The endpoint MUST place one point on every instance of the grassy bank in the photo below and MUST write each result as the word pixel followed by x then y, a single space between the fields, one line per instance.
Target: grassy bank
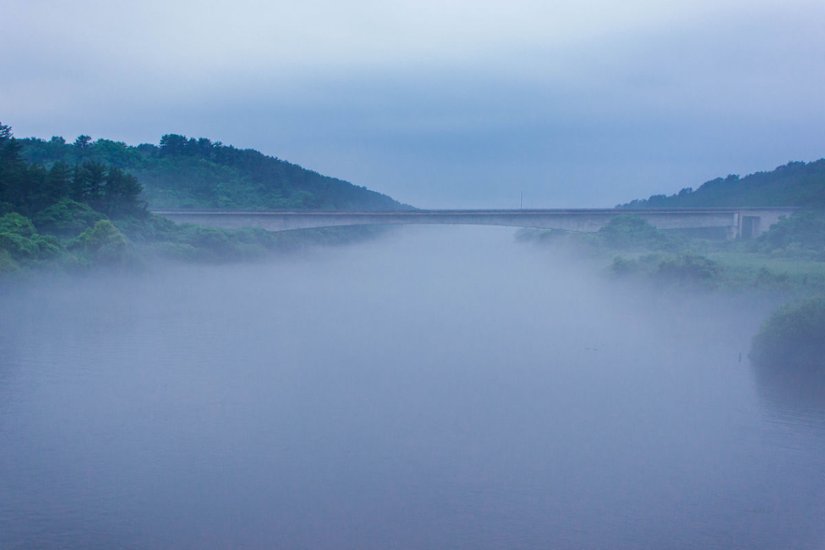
pixel 787 263
pixel 91 240
pixel 788 259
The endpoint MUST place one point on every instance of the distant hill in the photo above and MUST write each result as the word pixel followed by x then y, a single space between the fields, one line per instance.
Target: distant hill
pixel 77 207
pixel 189 173
pixel 794 184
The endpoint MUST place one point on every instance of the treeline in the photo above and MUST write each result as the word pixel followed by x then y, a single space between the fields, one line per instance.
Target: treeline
pixel 67 209
pixel 29 188
pixel 794 184
pixel 61 212
pixel 189 173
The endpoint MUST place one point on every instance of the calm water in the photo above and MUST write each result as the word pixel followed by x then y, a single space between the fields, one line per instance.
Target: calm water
pixel 441 388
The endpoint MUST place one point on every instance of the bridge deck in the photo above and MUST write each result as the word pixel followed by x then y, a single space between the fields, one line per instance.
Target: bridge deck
pixel 753 220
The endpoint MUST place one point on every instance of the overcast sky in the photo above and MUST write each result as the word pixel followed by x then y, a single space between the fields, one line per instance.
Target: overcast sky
pixel 438 103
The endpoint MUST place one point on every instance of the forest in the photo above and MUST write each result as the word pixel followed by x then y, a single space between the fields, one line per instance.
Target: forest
pixel 793 184
pixel 74 206
pixel 190 173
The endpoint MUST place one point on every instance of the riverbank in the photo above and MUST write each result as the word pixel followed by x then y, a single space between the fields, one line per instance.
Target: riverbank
pixel 787 260
pixel 785 267
pixel 79 244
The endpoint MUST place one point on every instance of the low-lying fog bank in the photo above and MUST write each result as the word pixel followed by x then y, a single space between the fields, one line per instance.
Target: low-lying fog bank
pixel 87 242
pixel 439 387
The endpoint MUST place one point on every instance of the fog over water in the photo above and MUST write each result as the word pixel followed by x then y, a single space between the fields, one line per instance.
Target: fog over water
pixel 442 387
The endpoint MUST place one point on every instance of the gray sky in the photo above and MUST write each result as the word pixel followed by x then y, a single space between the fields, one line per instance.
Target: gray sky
pixel 438 103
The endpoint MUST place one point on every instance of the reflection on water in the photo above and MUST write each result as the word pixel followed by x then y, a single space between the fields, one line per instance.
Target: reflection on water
pixel 792 392
pixel 443 388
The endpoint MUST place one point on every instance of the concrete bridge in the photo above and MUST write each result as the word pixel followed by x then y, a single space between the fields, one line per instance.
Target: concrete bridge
pixel 736 222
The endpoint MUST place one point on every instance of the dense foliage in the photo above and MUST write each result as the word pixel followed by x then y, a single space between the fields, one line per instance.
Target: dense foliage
pixel 29 188
pixel 793 337
pixel 794 184
pixel 802 235
pixel 624 232
pixel 47 213
pixel 621 233
pixel 76 210
pixel 682 268
pixel 184 173
pixel 787 259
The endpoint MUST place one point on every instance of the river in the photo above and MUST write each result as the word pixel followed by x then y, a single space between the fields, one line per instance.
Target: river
pixel 441 387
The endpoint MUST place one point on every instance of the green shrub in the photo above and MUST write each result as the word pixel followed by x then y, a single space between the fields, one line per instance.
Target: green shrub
pixel 103 243
pixel 801 234
pixel 212 244
pixel 688 268
pixel 793 337
pixel 18 246
pixel 67 218
pixel 20 241
pixel 209 238
pixel 48 247
pixel 673 268
pixel 633 232
pixel 16 224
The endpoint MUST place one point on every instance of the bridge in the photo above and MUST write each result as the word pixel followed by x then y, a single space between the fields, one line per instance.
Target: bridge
pixel 735 222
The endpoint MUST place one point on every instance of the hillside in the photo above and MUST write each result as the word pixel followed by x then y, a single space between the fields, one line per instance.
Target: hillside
pixel 794 184
pixel 77 207
pixel 188 173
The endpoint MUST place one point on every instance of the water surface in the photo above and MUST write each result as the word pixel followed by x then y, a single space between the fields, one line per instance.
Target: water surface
pixel 440 388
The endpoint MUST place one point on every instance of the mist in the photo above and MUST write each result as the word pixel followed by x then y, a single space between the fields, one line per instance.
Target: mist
pixel 438 387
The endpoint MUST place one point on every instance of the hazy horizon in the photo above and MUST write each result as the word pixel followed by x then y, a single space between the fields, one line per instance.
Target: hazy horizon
pixel 438 104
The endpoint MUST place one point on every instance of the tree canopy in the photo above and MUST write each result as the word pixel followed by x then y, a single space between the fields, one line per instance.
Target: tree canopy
pixel 198 173
pixel 29 188
pixel 793 184
pixel 81 204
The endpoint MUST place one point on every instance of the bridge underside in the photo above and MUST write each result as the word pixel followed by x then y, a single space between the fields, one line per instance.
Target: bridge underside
pixel 735 222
